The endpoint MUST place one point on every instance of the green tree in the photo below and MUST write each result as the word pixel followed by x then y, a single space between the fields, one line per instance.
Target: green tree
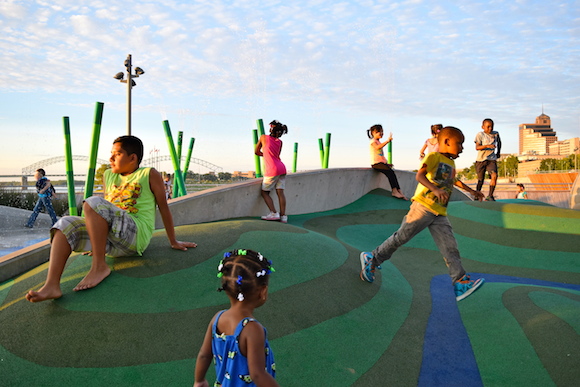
pixel 467 173
pixel 209 177
pixel 508 167
pixel 225 176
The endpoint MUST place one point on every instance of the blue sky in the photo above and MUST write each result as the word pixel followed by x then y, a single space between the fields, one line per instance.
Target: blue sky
pixel 213 67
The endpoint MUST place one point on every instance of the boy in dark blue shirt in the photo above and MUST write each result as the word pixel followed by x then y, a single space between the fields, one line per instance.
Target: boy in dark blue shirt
pixel 45 190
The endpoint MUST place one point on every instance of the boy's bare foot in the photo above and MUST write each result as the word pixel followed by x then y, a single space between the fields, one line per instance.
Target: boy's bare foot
pixel 93 278
pixel 43 294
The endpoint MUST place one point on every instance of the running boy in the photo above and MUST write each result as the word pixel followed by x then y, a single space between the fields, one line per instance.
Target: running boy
pixel 119 225
pixel 429 209
pixel 488 147
pixel 44 189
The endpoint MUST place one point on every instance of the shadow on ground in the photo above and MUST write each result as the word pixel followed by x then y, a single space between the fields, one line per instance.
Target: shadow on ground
pixel 144 324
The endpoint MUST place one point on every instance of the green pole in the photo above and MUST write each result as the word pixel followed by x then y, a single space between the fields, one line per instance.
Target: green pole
pixel 327 150
pixel 261 132
pixel 390 152
pixel 295 157
pixel 178 175
pixel 179 146
pixel 90 183
pixel 256 157
pixel 70 178
pixel 188 159
pixel 260 124
pixel 321 147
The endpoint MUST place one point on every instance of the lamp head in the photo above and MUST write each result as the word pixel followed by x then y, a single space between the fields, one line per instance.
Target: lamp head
pixel 139 71
pixel 118 76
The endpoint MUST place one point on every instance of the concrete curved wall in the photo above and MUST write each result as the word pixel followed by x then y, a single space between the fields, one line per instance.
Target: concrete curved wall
pixel 306 192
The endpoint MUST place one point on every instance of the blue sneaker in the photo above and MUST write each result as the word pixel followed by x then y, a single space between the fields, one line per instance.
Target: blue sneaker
pixel 367 272
pixel 465 286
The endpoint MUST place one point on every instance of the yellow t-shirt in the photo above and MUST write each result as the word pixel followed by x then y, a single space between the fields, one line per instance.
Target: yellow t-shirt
pixel 133 194
pixel 441 172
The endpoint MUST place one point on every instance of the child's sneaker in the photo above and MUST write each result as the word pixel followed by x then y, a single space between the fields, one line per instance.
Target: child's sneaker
pixel 490 199
pixel 284 219
pixel 465 286
pixel 271 216
pixel 367 272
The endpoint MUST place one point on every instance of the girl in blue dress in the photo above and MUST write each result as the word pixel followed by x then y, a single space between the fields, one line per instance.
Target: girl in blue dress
pixel 234 340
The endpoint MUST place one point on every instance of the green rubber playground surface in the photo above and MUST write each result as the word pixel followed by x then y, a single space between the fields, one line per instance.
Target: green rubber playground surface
pixel 145 323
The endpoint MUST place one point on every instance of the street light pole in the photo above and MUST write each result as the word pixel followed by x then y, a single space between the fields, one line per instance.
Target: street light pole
pixel 130 83
pixel 129 87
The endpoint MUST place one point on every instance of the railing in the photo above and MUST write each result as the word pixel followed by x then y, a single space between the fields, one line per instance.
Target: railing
pixel 556 194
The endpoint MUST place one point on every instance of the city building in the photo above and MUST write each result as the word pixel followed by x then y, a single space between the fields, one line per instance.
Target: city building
pixel 535 139
pixel 538 142
pixel 246 175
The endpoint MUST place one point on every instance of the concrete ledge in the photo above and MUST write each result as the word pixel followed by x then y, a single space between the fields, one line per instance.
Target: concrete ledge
pixel 306 192
pixel 20 261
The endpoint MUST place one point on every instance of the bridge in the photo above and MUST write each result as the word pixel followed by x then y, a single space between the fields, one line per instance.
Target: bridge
pixel 30 169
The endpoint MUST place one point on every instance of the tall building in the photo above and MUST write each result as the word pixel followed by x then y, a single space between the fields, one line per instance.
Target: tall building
pixel 535 139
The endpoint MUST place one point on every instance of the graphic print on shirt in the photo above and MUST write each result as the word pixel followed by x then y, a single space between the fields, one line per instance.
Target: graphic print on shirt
pixel 443 179
pixel 125 196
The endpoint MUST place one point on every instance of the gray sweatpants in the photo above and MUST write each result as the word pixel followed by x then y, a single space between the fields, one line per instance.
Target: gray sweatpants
pixel 417 219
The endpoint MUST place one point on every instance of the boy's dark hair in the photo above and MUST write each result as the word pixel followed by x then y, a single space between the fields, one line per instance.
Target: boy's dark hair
pixel 278 128
pixel 242 272
pixel 436 128
pixel 488 120
pixel 520 185
pixel 41 171
pixel 131 145
pixel 374 128
pixel 450 131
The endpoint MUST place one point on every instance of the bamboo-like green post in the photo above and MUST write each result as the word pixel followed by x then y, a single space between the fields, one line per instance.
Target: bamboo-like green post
pixel 70 177
pixel 321 147
pixel 90 183
pixel 295 157
pixel 188 159
pixel 178 175
pixel 327 151
pixel 179 146
pixel 390 152
pixel 260 124
pixel 256 157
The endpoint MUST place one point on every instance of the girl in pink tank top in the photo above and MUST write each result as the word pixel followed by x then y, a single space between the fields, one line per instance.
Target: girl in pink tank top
pixel 270 147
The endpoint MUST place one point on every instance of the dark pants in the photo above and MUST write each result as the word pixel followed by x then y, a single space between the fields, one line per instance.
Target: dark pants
pixel 388 172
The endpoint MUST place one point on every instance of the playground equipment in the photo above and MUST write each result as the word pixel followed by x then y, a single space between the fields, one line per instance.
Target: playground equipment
pixel 295 157
pixel 324 151
pixel 70 179
pixel 90 182
pixel 178 174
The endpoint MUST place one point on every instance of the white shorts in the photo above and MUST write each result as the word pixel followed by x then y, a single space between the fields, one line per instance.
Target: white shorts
pixel 271 182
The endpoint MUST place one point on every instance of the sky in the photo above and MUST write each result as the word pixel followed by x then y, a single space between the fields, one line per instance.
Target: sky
pixel 213 67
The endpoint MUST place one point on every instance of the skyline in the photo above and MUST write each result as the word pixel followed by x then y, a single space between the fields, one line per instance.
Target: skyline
pixel 213 67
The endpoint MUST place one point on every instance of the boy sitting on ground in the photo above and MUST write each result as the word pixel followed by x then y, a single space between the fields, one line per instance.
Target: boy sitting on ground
pixel 119 225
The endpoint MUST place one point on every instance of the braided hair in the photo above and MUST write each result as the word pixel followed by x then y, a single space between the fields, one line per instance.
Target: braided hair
pixel 243 272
